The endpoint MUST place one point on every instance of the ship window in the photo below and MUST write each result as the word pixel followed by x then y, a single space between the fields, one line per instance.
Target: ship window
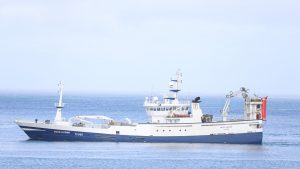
pixel 158 109
pixel 154 109
pixel 117 132
pixel 169 130
pixel 156 130
pixel 167 108
pixel 180 130
pixel 258 106
pixel 184 129
pixel 151 109
pixel 163 130
pixel 163 109
pixel 186 108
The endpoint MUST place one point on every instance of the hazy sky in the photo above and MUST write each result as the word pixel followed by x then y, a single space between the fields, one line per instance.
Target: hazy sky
pixel 136 46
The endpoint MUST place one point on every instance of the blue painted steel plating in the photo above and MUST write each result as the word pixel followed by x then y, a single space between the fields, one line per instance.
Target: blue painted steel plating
pixel 64 135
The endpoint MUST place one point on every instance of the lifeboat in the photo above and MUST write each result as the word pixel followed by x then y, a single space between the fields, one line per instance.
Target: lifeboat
pixel 181 115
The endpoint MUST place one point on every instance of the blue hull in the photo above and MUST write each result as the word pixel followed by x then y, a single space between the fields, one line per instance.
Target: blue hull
pixel 62 135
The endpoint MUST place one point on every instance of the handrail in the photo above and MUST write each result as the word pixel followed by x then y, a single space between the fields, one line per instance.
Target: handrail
pixel 158 103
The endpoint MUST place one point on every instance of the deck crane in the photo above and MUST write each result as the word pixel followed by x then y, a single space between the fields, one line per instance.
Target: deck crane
pixel 243 91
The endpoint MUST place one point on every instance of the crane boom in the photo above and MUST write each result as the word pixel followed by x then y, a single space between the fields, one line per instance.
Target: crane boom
pixel 243 91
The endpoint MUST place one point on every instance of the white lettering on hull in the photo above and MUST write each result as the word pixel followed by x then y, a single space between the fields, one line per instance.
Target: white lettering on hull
pixel 78 134
pixel 61 132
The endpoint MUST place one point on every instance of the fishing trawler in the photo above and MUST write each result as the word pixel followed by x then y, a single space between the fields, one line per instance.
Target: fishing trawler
pixel 170 121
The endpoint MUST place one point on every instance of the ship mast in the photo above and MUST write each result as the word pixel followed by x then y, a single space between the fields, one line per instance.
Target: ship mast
pixel 59 105
pixel 177 82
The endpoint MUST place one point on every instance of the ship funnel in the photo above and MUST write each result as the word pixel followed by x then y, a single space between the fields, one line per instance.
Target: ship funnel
pixel 196 100
pixel 196 110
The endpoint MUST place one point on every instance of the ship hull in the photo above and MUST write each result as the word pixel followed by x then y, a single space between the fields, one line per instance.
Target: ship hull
pixel 48 134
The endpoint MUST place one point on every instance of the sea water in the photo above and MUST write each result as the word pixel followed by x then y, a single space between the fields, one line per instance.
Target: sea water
pixel 280 148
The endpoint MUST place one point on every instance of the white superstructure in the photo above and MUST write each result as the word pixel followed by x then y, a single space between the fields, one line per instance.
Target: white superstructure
pixel 170 109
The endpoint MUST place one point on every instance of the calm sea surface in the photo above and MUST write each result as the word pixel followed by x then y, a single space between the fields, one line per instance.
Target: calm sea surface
pixel 280 148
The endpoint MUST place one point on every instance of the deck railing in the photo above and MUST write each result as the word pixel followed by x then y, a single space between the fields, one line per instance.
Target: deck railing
pixel 157 103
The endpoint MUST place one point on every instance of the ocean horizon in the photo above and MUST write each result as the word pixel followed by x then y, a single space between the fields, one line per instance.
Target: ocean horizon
pixel 280 147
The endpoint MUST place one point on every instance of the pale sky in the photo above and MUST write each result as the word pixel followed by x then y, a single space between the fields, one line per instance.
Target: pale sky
pixel 136 46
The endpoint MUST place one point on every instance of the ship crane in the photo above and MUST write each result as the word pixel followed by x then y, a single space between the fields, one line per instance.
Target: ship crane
pixel 243 91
